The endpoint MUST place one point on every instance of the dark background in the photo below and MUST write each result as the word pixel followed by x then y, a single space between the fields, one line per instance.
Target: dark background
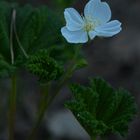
pixel 116 59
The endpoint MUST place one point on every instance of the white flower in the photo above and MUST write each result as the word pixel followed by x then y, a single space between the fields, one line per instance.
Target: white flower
pixel 95 22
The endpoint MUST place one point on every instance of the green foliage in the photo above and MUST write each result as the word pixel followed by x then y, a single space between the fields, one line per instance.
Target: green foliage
pixel 81 63
pixel 37 28
pixel 101 109
pixel 44 66
pixel 4 30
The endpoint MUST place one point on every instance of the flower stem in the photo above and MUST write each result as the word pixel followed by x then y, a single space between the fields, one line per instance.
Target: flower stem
pixel 41 112
pixel 66 76
pixel 12 109
pixel 45 102
pixel 62 82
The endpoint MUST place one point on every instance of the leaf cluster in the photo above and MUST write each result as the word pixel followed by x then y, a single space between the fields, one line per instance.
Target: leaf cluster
pixel 44 67
pixel 37 28
pixel 101 109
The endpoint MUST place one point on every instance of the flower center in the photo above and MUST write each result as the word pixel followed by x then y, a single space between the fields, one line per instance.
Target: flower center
pixel 90 24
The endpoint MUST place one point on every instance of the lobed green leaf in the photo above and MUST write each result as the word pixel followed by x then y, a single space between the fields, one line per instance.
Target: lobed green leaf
pixel 101 109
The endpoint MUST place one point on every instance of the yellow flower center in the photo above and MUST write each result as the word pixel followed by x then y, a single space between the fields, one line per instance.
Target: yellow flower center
pixel 90 24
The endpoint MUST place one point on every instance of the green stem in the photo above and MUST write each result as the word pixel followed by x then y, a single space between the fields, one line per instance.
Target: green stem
pixel 66 76
pixel 46 100
pixel 62 82
pixel 41 112
pixel 12 109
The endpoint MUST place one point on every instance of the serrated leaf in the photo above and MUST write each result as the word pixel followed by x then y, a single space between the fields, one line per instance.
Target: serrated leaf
pixel 33 22
pixel 43 66
pixel 106 97
pixel 121 114
pixel 101 109
pixel 36 28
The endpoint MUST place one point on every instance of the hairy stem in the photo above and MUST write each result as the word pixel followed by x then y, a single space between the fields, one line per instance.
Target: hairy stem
pixel 41 112
pixel 12 109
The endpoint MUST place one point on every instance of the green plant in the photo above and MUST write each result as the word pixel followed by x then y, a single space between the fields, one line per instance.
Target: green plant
pixel 30 38
pixel 101 109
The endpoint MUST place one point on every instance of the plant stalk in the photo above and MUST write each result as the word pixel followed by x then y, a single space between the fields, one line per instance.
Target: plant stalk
pixel 41 112
pixel 12 109
pixel 62 82
pixel 46 101
pixel 66 76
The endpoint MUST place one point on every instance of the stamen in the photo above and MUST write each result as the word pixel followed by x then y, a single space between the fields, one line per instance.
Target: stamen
pixel 90 24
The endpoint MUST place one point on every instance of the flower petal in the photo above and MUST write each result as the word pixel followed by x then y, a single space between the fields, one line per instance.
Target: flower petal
pixel 109 29
pixel 92 34
pixel 98 10
pixel 74 36
pixel 73 19
pixel 111 24
pixel 90 6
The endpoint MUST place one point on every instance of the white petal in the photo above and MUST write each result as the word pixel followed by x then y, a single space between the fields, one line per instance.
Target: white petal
pixel 111 24
pixel 98 10
pixel 92 34
pixel 109 29
pixel 73 19
pixel 74 36
pixel 90 6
